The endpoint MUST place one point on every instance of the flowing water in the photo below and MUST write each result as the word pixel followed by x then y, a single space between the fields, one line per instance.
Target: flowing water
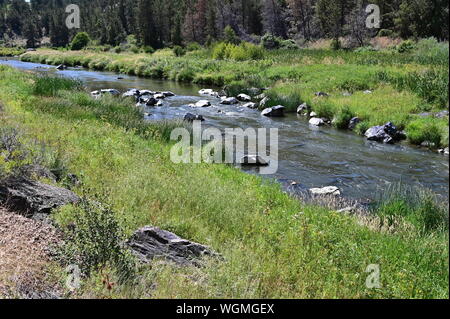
pixel 313 157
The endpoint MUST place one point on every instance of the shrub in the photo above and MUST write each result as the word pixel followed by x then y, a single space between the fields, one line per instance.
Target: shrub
pixel 289 44
pixel 270 42
pixel 80 41
pixel 229 36
pixel 424 130
pixel 148 49
pixel 406 46
pixel 117 49
pixel 242 52
pixel 193 46
pixel 179 51
pixel 342 118
pixel 385 33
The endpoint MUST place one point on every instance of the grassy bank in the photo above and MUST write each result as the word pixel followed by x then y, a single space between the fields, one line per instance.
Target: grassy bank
pixel 403 85
pixel 9 52
pixel 272 245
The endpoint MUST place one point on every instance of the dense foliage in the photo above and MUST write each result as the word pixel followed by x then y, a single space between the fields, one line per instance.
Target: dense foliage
pixel 159 23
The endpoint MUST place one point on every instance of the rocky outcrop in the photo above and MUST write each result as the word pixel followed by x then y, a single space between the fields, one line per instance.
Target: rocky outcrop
pixel 387 134
pixel 31 198
pixel 149 243
pixel 275 111
pixel 253 160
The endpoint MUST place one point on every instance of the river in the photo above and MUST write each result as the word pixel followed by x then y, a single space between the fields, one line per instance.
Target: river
pixel 312 157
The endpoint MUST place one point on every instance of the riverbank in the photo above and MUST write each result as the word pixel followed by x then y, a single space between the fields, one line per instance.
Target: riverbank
pixel 271 245
pixel 376 87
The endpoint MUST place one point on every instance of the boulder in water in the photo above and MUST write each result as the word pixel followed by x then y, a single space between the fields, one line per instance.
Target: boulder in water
pixel 275 111
pixel 253 160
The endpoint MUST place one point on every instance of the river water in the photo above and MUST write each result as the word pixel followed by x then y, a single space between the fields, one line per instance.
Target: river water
pixel 313 157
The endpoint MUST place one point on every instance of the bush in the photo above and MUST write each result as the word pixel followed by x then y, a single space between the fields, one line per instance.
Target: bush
pixel 385 33
pixel 80 41
pixel 229 36
pixel 148 49
pixel 193 46
pixel 342 118
pixel 242 52
pixel 270 42
pixel 406 46
pixel 117 49
pixel 289 44
pixel 179 51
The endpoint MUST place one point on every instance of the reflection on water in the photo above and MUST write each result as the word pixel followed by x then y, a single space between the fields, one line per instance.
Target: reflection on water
pixel 313 157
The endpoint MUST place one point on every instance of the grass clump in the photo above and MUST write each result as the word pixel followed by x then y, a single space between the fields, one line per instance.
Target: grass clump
pixel 242 52
pixel 417 206
pixel 427 130
pixel 46 85
pixel 342 118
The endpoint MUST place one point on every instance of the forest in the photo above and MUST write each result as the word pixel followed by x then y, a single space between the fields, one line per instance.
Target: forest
pixel 162 23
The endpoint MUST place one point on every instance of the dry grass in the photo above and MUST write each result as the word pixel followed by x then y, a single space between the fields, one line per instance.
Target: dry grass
pixel 25 257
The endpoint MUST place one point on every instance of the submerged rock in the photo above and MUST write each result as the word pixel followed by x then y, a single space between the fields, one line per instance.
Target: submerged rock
pixel 148 243
pixel 32 198
pixel 253 160
pixel 189 117
pixel 275 111
pixel 326 191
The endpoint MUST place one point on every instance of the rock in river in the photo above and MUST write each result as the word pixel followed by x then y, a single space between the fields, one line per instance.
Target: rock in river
pixel 189 117
pixel 353 122
pixel 201 103
pixel 148 243
pixel 387 133
pixel 329 190
pixel 251 105
pixel 229 101
pixel 275 111
pixel 317 121
pixel 244 98
pixel 302 109
pixel 253 160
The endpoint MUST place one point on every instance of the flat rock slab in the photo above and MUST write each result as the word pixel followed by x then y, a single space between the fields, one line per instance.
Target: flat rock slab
pixel 31 198
pixel 148 243
pixel 325 191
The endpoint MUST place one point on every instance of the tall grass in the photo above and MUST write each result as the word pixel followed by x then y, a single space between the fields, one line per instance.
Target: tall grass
pixel 50 85
pixel 417 206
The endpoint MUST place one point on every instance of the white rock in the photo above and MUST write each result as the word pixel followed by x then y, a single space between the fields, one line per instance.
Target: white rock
pixel 201 103
pixel 312 114
pixel 316 121
pixel 329 190
pixel 244 98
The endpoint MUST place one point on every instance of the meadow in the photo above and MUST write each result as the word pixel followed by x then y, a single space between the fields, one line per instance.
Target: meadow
pixel 272 245
pixel 403 85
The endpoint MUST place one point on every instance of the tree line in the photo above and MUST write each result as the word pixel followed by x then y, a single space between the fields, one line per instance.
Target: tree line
pixel 159 23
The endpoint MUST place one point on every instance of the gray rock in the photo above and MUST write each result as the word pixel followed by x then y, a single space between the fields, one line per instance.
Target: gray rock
pixel 132 93
pixel 244 98
pixel 229 101
pixel 317 121
pixel 263 103
pixel 206 92
pixel 275 111
pixel 353 122
pixel 159 96
pixel 251 105
pixel 312 114
pixel 367 92
pixel 148 243
pixel 189 117
pixel 325 191
pixel 30 198
pixel 321 94
pixel 387 133
pixel 201 103
pixel 441 114
pixel 253 160
pixel 61 67
pixel 303 108
pixel 168 93
pixel 110 91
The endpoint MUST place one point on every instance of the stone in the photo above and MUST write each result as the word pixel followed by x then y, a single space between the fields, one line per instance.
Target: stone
pixel 189 117
pixel 229 101
pixel 201 103
pixel 206 92
pixel 148 243
pixel 312 114
pixel 317 121
pixel 264 102
pixel 244 98
pixel 159 96
pixel 387 133
pixel 132 93
pixel 321 94
pixel 61 67
pixel 325 191
pixel 250 105
pixel 353 122
pixel 275 111
pixel 367 92
pixel 168 93
pixel 31 198
pixel 303 108
pixel 441 114
pixel 253 160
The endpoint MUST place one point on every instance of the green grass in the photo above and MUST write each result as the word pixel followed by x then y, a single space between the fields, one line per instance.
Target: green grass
pixel 402 84
pixel 9 52
pixel 272 245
